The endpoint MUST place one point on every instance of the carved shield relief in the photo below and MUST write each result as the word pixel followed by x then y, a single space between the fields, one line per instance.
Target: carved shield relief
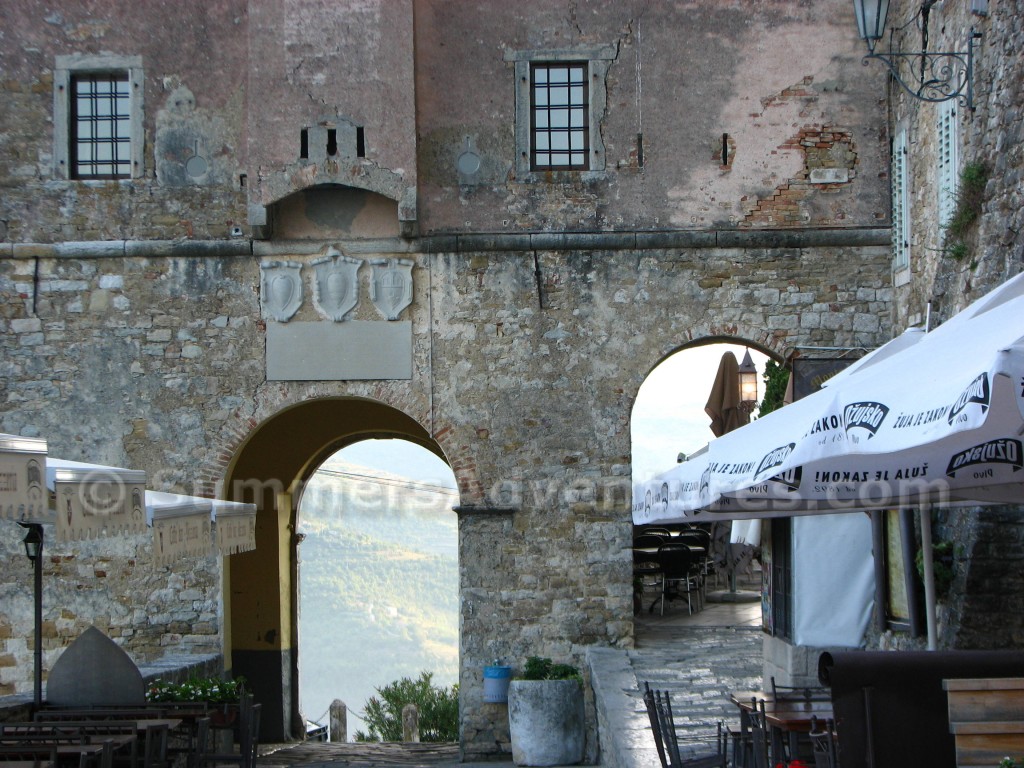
pixel 335 284
pixel 280 289
pixel 391 286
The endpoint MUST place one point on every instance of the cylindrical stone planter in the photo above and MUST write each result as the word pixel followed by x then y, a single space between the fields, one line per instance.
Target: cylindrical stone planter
pixel 545 720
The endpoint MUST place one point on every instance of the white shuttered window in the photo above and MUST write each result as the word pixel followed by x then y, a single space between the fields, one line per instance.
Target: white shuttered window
pixel 900 204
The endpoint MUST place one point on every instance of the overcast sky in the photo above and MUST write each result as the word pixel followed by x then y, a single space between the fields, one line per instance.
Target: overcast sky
pixel 668 418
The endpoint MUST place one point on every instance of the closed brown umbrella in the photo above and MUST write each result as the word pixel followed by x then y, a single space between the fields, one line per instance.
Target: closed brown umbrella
pixel 723 404
pixel 724 408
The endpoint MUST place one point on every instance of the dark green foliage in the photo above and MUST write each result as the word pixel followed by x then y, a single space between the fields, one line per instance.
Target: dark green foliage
pixel 537 668
pixel 776 377
pixel 942 566
pixel 969 199
pixel 438 708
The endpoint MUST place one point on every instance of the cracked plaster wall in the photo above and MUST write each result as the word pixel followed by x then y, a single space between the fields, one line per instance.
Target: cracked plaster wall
pixel 684 75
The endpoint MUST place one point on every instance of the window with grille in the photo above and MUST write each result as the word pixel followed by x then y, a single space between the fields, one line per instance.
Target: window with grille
pixel 948 157
pixel 900 204
pixel 559 116
pixel 98 116
pixel 100 129
pixel 561 96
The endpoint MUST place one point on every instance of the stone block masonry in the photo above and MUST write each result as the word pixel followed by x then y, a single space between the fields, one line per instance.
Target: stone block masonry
pixel 526 381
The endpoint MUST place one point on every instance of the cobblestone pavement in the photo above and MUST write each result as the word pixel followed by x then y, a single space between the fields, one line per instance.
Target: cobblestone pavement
pixel 320 755
pixel 698 659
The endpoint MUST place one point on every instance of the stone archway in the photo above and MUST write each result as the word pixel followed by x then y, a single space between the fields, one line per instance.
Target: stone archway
pixel 268 469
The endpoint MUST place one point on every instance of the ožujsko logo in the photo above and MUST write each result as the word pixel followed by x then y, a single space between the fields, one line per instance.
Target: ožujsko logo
pixel 705 483
pixel 866 415
pixel 774 458
pixel 1002 451
pixel 977 392
pixel 790 478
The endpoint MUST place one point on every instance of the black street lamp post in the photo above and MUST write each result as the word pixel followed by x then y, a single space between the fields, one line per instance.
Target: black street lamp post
pixel 926 75
pixel 34 551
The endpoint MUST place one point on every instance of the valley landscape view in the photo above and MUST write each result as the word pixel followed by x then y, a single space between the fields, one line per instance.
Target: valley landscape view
pixel 378 586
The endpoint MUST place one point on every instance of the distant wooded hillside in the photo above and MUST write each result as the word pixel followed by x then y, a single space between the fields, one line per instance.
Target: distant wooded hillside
pixel 378 586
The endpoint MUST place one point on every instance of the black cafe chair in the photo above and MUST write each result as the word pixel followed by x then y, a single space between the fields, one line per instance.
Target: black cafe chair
pixel 667 741
pixel 680 574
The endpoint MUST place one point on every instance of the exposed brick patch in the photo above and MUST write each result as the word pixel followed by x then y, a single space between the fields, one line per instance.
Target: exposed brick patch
pixel 826 149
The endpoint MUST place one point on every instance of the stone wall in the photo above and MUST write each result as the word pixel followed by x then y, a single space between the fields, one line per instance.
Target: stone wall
pixel 158 364
pixel 132 317
pixel 982 608
pixel 990 135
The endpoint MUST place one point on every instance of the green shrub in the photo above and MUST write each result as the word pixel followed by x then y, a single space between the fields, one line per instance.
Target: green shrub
pixel 438 709
pixel 969 199
pixel 537 668
pixel 776 377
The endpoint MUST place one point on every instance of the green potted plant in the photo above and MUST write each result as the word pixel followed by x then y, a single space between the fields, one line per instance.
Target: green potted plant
pixel 545 713
pixel 221 695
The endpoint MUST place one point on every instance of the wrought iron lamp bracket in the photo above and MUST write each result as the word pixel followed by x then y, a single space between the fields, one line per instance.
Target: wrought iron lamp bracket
pixel 933 76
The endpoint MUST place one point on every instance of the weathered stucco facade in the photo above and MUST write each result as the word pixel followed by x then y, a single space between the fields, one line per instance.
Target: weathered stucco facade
pixel 738 188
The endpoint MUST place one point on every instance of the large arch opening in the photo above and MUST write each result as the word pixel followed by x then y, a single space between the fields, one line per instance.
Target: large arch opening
pixel 378 581
pixel 671 420
pixel 269 470
pixel 668 416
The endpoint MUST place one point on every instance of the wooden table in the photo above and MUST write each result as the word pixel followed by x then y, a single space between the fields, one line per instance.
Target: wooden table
pixel 785 718
pixel 125 733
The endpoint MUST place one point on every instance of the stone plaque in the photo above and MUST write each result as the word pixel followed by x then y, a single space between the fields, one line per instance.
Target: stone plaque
pixel 352 351
pixel 829 175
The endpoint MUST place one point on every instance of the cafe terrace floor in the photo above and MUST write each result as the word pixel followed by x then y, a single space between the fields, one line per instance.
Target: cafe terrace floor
pixel 698 658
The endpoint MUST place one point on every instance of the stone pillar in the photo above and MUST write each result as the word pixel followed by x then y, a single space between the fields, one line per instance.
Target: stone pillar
pixel 339 720
pixel 410 723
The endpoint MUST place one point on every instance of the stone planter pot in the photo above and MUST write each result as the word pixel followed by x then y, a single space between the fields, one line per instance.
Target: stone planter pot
pixel 545 720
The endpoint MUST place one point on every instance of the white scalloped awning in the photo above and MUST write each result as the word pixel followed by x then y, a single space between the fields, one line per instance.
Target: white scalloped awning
pixel 94 500
pixel 236 526
pixel 22 475
pixel 181 526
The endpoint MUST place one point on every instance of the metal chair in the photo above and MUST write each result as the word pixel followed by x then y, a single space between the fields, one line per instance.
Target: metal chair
pixel 681 569
pixel 799 692
pixel 823 743
pixel 248 739
pixel 760 738
pixel 659 711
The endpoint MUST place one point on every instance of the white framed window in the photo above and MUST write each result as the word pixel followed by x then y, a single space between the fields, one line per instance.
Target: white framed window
pixel 948 159
pixel 97 117
pixel 900 204
pixel 560 99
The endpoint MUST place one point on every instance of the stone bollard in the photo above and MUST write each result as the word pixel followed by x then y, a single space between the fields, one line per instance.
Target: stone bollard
pixel 339 720
pixel 410 723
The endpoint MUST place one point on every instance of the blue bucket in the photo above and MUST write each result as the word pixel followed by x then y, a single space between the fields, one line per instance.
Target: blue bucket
pixel 496 680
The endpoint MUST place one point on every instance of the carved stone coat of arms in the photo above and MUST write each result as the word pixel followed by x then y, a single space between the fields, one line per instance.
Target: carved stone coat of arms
pixel 391 286
pixel 280 289
pixel 335 284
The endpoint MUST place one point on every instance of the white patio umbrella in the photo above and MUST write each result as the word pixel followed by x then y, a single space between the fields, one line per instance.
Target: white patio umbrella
pixel 938 422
